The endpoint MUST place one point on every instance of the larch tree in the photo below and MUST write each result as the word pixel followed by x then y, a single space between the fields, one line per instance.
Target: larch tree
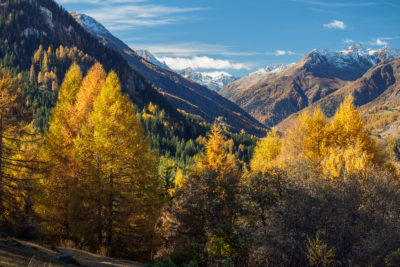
pixel 216 157
pixel 15 160
pixel 85 96
pixel 90 220
pixel 113 146
pixel 206 204
pixel 308 139
pixel 266 152
pixel 351 147
pixel 59 203
pixel 334 147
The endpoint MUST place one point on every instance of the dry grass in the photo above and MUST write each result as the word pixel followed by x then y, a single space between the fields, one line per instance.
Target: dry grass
pixel 16 253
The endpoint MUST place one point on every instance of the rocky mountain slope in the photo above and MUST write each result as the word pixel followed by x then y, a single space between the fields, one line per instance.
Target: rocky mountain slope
pixel 183 93
pixel 271 96
pixel 151 58
pixel 377 89
pixel 43 23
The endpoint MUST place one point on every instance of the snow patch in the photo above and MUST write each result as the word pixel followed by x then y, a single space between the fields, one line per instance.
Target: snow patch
pixel 271 70
pixel 70 29
pixel 90 24
pixel 32 31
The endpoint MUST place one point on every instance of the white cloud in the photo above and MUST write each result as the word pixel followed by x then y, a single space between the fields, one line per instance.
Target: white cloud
pixel 283 53
pixel 189 49
pixel 336 24
pixel 180 63
pixel 379 42
pixel 348 41
pixel 128 14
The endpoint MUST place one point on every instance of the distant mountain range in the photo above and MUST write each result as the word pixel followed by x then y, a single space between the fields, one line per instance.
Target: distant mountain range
pixel 378 87
pixel 185 94
pixel 213 80
pixel 274 93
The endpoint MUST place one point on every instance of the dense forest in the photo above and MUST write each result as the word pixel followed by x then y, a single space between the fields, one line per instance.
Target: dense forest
pixel 325 193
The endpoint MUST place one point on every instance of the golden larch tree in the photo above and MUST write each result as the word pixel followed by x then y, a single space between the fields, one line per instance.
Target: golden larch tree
pixel 266 152
pixel 15 163
pixel 113 146
pixel 59 203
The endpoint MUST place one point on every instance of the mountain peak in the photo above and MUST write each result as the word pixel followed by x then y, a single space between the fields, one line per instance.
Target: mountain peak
pixel 271 69
pixel 388 52
pixel 90 23
pixel 357 47
pixel 213 80
pixel 151 58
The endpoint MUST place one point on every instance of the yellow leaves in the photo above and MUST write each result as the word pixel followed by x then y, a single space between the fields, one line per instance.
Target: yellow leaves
pixel 348 125
pixel 97 150
pixel 179 182
pixel 351 147
pixel 38 54
pixel 180 178
pixel 314 134
pixel 216 156
pixel 70 85
pixel 32 73
pixel 266 151
pixel 7 91
pixel 342 145
pixel 318 252
pixel 152 108
pixel 349 160
pixel 90 88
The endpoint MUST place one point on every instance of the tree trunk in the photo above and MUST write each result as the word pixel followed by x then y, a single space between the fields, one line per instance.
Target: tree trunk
pixel 1 168
pixel 110 217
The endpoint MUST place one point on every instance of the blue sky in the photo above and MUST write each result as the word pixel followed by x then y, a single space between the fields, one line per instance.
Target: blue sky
pixel 242 36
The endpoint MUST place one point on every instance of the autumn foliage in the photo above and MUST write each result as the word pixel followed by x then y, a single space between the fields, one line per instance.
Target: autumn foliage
pixel 341 145
pixel 101 190
pixel 324 193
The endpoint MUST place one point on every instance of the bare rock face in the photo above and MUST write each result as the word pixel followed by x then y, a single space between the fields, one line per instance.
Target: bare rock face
pixel 379 86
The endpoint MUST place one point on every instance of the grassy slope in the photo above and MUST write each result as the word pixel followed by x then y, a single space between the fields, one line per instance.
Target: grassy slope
pixel 15 252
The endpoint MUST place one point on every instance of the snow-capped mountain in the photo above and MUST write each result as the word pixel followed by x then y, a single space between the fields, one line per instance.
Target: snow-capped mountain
pixel 90 24
pixel 213 80
pixel 274 93
pixel 271 69
pixel 352 62
pixel 387 52
pixel 150 58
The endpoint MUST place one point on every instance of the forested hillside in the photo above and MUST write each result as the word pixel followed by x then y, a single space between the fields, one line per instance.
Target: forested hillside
pixel 181 92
